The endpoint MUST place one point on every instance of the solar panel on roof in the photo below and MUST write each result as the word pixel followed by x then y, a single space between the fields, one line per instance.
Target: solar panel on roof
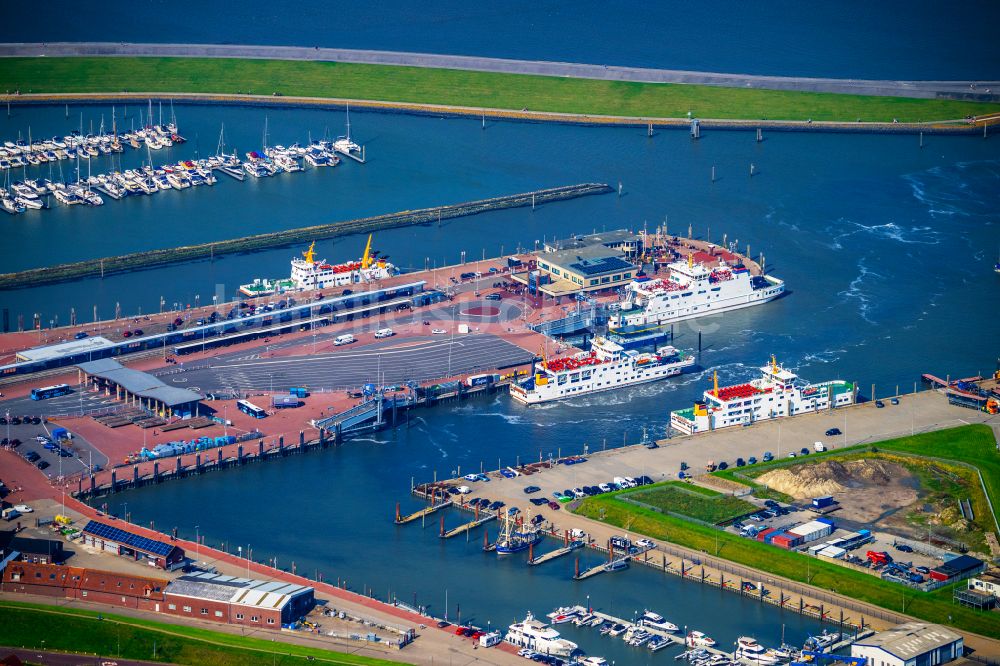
pixel 136 541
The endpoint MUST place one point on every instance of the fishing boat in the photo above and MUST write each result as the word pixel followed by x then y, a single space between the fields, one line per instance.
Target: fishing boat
pixel 516 536
pixel 539 637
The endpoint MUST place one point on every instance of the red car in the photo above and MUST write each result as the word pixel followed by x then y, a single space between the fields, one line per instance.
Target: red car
pixel 554 506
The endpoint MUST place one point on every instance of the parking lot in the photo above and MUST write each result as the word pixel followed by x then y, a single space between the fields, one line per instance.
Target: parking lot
pixel 22 437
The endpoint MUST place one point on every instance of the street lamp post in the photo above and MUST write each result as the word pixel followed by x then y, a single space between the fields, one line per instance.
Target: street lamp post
pixel 196 540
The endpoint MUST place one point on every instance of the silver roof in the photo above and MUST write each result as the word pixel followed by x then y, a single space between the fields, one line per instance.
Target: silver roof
pixel 911 639
pixel 242 591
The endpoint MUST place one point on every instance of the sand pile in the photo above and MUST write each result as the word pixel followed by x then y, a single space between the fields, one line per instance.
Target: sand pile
pixel 830 477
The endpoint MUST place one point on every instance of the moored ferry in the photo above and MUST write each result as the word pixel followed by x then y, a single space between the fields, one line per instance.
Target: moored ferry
pixel 775 394
pixel 692 289
pixel 310 273
pixel 606 366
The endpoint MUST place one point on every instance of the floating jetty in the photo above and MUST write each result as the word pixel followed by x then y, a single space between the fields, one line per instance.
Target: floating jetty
pixel 129 262
pixel 417 515
pixel 616 564
pixel 555 554
pixel 462 529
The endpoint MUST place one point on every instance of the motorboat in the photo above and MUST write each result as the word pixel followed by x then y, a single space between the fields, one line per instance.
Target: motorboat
pixel 699 639
pixel 657 621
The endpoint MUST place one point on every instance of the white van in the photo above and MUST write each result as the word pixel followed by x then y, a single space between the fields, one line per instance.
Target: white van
pixel 384 333
pixel 577 533
pixel 819 447
pixel 344 339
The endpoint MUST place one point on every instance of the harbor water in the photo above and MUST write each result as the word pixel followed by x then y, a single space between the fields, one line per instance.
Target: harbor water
pixel 886 40
pixel 887 249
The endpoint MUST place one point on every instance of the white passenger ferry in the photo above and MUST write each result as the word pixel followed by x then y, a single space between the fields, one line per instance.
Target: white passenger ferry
pixel 777 393
pixel 606 366
pixel 539 637
pixel 310 273
pixel 690 290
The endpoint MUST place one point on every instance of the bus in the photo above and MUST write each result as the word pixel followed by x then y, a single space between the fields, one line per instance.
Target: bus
pixel 251 409
pixel 49 391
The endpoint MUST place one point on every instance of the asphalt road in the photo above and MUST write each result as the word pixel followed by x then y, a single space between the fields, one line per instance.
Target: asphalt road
pixel 62 659
pixel 930 89
pixel 389 362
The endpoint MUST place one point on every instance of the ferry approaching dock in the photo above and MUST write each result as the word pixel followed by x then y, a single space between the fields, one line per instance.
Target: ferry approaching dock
pixel 693 289
pixel 606 366
pixel 776 394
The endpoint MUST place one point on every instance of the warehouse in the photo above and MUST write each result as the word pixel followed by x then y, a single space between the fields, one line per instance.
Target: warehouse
pixel 86 584
pixel 120 542
pixel 231 600
pixel 958 568
pixel 910 644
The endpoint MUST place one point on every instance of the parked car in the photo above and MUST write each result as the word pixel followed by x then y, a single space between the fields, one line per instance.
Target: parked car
pixel 804 451
pixel 42 464
pixel 740 462
pixel 539 501
pixel 894 401
pixel 438 331
pixel 768 456
pixel 832 432
pixel 554 506
pixel 879 404
pixel 531 489
pixel 752 460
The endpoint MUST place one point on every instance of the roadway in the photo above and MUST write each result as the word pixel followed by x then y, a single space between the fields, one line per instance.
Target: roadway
pixel 391 361
pixel 982 91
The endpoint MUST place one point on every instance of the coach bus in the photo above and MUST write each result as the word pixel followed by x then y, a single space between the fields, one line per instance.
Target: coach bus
pixel 49 391
pixel 251 409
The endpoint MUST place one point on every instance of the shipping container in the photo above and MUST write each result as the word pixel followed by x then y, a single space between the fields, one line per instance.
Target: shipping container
pixel 833 552
pixel 763 534
pixel 481 380
pixel 824 520
pixel 812 530
pixel 299 391
pixel 282 401
pixel 822 502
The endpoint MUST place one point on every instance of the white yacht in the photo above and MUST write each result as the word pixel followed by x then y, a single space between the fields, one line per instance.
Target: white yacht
pixel 657 621
pixel 699 639
pixel 539 637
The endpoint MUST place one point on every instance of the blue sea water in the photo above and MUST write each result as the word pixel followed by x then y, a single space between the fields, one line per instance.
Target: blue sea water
pixel 921 40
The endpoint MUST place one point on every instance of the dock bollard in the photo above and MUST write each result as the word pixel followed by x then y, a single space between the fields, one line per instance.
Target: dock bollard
pixel 531 552
pixel 486 539
pixel 576 568
pixel 442 525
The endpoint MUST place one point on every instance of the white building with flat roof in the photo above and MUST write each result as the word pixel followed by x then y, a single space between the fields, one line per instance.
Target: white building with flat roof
pixel 910 644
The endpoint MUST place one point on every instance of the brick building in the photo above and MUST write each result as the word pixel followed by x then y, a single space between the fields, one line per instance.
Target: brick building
pixel 103 587
pixel 231 600
pixel 27 549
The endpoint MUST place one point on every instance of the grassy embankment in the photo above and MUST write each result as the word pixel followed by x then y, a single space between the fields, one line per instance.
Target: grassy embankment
pixel 972 445
pixel 80 631
pixel 461 88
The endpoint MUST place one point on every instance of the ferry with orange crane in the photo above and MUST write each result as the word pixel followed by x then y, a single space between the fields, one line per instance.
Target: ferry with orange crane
pixel 777 393
pixel 606 366
pixel 310 273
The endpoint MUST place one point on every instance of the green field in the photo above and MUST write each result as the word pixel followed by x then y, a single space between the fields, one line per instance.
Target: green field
pixel 81 631
pixel 461 88
pixel 691 501
pixel 971 444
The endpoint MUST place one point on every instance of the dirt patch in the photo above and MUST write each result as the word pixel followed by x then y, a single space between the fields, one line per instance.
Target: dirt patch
pixel 867 489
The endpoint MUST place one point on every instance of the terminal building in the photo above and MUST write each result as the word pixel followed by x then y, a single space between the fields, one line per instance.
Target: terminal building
pixel 135 546
pixel 578 270
pixel 232 600
pixel 139 388
pixel 910 644
pixel 628 243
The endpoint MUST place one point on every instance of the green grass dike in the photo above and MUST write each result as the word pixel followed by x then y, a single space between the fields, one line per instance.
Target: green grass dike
pixel 973 446
pixel 419 85
pixel 84 632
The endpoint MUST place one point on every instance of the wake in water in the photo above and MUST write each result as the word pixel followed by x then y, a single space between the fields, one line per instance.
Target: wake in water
pixel 855 291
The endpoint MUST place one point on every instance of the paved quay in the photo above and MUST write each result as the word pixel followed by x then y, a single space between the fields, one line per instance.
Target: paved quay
pixel 925 89
pixel 433 645
pixel 864 423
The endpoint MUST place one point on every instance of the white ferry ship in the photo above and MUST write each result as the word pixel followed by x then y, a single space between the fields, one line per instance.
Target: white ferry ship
pixel 539 637
pixel 606 366
pixel 310 273
pixel 777 393
pixel 692 290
